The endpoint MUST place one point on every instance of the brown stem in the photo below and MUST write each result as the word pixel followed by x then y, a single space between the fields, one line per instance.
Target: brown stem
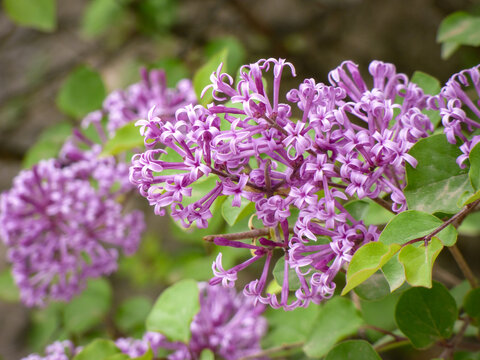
pixel 268 180
pixel 242 235
pixel 386 332
pixel 385 204
pixel 273 350
pixel 450 346
pixel 462 264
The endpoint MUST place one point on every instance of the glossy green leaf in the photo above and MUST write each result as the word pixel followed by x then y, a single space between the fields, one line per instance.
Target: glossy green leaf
pixel 366 261
pixel 437 183
pixel 82 92
pixel 353 349
pixel 448 49
pixel 99 349
pixel 38 14
pixel 394 273
pixel 117 357
pixel 461 28
pixel 126 138
pixel 474 172
pixel 374 288
pixel 426 315
pixel 132 313
pixel 418 261
pixel 430 85
pixel 202 77
pixel 338 318
pixel 471 303
pixel 48 145
pixel 90 308
pixel 101 15
pixel 174 310
pixel 413 224
pixel 8 289
pixel 233 214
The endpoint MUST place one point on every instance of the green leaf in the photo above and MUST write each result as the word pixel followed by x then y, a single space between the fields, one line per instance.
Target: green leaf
pixel 471 304
pixel 338 318
pixel 174 311
pixel 202 77
pixel 38 14
pixel 44 326
pixel 368 211
pixel 101 15
pixel 132 313
pixel 89 308
pixel 461 28
pixel 430 85
pixel 448 49
pixel 117 357
pixel 426 315
pixel 413 224
pixel 353 349
pixel 374 288
pixel 236 51
pixel 460 291
pixel 82 92
pixel 288 327
pixel 8 290
pixel 380 313
pixel 126 138
pixel 437 183
pixel 474 173
pixel 99 349
pixel 278 274
pixel 207 354
pixel 233 214
pixel 48 145
pixel 465 355
pixel 366 261
pixel 394 273
pixel 418 262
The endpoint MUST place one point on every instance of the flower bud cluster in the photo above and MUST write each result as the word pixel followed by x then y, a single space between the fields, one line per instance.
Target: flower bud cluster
pixel 338 142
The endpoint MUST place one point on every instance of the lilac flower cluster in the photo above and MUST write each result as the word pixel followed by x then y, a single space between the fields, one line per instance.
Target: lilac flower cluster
pixel 342 141
pixel 458 103
pixel 228 324
pixel 63 221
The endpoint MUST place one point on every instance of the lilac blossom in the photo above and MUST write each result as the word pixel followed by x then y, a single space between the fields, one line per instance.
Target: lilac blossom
pixel 60 230
pixel 348 141
pixel 458 105
pixel 124 106
pixel 228 324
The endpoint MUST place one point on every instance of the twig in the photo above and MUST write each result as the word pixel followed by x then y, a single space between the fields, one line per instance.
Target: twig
pixel 450 346
pixel 462 264
pixel 385 332
pixel 242 235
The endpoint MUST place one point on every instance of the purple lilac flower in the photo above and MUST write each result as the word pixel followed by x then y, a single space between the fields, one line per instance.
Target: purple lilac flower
pixel 348 142
pixel 60 230
pixel 228 324
pixel 124 106
pixel 458 103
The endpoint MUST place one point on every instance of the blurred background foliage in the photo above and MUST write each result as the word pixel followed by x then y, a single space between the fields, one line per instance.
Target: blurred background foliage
pixel 59 59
